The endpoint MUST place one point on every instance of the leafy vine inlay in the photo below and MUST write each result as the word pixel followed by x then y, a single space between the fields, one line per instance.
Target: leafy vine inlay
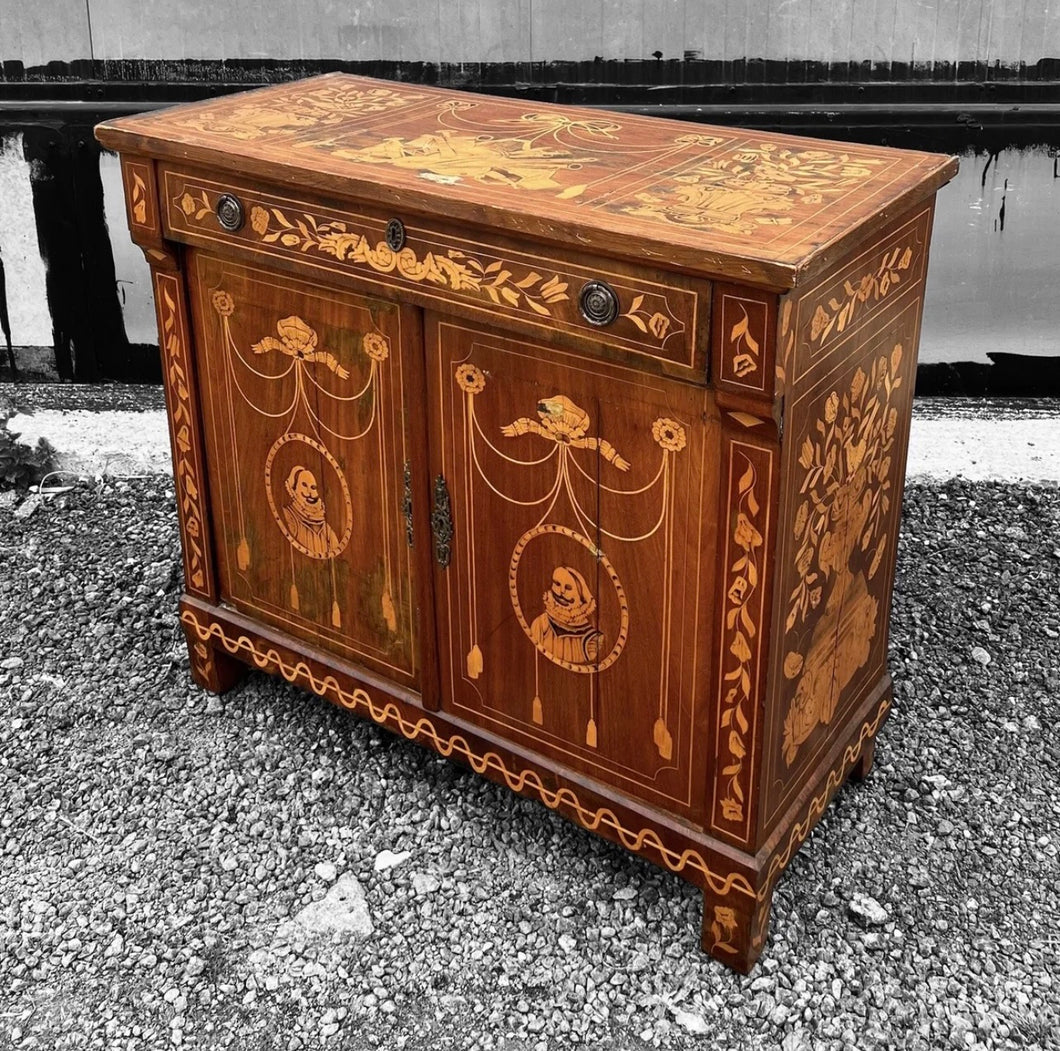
pixel 139 199
pixel 840 312
pixel 657 324
pixel 724 929
pixel 191 518
pixel 509 285
pixel 456 270
pixel 743 583
pixel 745 347
pixel 787 340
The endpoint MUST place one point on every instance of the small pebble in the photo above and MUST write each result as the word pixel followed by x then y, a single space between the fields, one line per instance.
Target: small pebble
pixel 326 871
pixel 387 859
pixel 424 883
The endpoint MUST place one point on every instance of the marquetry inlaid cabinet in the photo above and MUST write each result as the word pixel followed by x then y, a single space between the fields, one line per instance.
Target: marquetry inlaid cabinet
pixel 566 443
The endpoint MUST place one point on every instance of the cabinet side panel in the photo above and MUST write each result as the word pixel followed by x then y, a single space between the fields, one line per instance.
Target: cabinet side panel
pixel 847 353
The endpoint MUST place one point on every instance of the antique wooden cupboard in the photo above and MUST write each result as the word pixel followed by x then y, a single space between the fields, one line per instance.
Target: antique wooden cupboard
pixel 568 444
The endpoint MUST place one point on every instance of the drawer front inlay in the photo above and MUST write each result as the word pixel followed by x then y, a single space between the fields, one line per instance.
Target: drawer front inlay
pixel 659 319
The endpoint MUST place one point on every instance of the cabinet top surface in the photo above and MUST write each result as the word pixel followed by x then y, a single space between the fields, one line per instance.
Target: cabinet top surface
pixel 722 201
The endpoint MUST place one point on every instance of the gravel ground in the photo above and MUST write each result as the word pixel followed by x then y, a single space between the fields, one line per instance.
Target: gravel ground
pixel 985 409
pixel 131 397
pixel 155 842
pixel 143 397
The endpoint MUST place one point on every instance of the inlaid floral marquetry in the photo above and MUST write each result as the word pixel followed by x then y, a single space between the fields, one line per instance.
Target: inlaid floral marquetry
pixel 141 195
pixel 875 281
pixel 657 319
pixel 873 286
pixel 566 442
pixel 749 482
pixel 848 486
pixel 757 186
pixel 743 339
pixel 771 202
pixel 259 116
pixel 490 279
pixel 723 929
pixel 184 427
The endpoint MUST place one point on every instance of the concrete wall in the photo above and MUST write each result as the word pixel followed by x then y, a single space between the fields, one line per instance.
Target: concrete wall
pixel 994 255
pixel 984 32
pixel 24 273
pixel 131 270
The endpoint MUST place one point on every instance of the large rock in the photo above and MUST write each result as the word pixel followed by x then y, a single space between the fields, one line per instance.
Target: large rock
pixel 867 912
pixel 344 910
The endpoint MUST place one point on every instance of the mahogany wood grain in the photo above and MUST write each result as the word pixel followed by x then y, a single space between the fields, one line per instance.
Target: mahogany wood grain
pixel 662 320
pixel 638 570
pixel 757 208
pixel 577 607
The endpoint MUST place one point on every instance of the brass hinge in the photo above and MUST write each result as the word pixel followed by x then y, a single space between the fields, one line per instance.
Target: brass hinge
pixel 442 523
pixel 406 502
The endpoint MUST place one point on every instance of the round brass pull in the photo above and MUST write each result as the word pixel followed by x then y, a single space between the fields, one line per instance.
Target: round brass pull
pixel 229 212
pixel 395 235
pixel 598 303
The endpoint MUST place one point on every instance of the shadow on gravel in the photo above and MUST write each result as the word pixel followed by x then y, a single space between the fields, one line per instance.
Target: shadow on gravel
pixel 155 839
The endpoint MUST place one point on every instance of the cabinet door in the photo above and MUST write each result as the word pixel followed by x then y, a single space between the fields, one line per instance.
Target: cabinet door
pixel 574 614
pixel 307 446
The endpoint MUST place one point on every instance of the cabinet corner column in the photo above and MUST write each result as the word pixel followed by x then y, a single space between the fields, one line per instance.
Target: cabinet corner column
pixel 744 365
pixel 214 671
pixel 746 539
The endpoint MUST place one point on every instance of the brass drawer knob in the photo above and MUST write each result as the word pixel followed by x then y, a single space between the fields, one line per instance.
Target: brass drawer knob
pixel 598 303
pixel 395 235
pixel 229 212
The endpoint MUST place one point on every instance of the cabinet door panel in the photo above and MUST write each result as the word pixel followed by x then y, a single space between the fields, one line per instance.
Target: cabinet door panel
pixel 307 441
pixel 573 616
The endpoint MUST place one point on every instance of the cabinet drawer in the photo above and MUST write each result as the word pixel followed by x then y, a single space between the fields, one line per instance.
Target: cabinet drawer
pixel 658 317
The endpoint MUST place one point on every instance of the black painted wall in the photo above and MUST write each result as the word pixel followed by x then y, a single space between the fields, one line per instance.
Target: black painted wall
pixel 950 109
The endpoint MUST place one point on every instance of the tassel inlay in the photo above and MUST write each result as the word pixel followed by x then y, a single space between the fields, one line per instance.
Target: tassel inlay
pixel 389 613
pixel 663 740
pixel 474 662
